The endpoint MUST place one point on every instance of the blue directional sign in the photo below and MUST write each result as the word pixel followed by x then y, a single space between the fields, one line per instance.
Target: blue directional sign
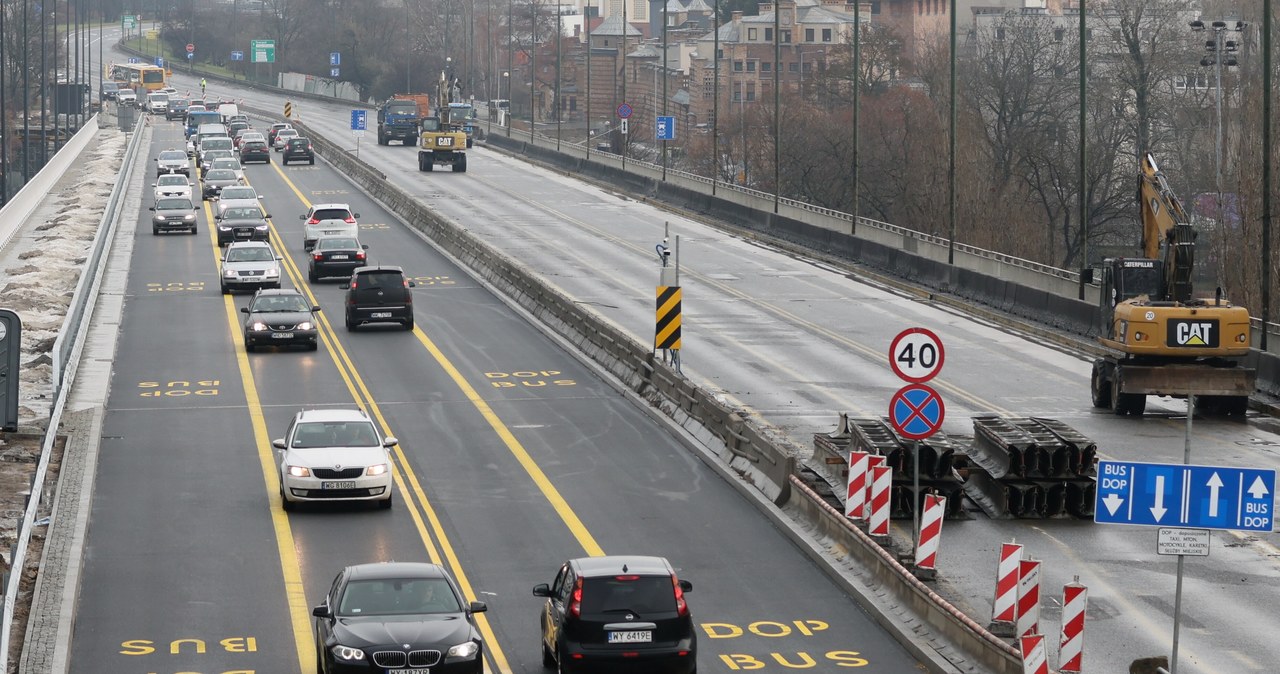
pixel 134 59
pixel 160 61
pixel 665 127
pixel 237 56
pixel 335 58
pixel 359 120
pixel 190 56
pixel 1176 495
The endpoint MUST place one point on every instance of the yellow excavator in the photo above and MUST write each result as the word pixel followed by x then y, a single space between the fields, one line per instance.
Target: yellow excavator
pixel 442 141
pixel 1159 338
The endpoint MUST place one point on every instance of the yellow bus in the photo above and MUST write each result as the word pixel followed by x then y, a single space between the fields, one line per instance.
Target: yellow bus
pixel 141 77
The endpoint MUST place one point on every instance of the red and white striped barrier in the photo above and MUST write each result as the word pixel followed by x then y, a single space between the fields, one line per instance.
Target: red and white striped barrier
pixel 1028 597
pixel 881 484
pixel 872 461
pixel 1075 599
pixel 930 531
pixel 856 499
pixel 1006 604
pixel 1034 659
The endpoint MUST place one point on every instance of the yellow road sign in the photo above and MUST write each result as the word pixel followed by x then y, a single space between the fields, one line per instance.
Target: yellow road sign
pixel 667 333
pixel 288 108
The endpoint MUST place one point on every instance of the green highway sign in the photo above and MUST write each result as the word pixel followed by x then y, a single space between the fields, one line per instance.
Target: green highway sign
pixel 262 51
pixel 129 20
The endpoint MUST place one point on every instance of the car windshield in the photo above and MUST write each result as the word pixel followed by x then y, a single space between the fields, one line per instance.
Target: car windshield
pixel 173 205
pixel 239 193
pixel 381 279
pixel 171 180
pixel 173 155
pixel 331 214
pixel 272 303
pixel 642 595
pixel 242 214
pixel 250 254
pixel 286 133
pixel 226 164
pixel 330 243
pixel 220 174
pixel 298 141
pixel 398 597
pixel 216 143
pixel 332 433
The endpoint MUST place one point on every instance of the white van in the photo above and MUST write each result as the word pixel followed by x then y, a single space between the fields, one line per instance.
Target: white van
pixel 157 103
pixel 228 110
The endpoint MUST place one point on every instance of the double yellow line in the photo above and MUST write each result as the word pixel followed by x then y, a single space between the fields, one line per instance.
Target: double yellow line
pixel 407 483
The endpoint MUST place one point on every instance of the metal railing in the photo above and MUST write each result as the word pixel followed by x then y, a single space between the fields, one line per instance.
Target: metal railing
pixel 66 352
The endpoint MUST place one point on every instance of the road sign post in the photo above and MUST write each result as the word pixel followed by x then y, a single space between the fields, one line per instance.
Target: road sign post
pixel 916 411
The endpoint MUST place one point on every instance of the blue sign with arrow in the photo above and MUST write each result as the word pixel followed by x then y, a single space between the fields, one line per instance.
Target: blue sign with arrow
pixel 1177 495
pixel 665 127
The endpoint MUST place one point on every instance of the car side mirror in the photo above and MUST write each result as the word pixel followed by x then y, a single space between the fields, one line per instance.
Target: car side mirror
pixel 686 586
pixel 152 208
pixel 244 310
pixel 478 607
pixel 412 284
pixel 390 441
pixel 154 184
pixel 278 443
pixel 365 246
pixel 355 215
pixel 268 215
pixel 281 257
pixel 315 308
pixel 322 611
pixel 542 590
pixel 346 286
pixel 302 217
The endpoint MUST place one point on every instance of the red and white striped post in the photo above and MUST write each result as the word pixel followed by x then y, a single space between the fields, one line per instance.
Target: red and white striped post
pixel 1028 597
pixel 1075 599
pixel 1034 658
pixel 855 503
pixel 930 531
pixel 1006 604
pixel 881 484
pixel 872 461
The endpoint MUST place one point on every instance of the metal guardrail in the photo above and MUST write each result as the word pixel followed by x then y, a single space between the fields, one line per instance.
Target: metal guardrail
pixel 66 350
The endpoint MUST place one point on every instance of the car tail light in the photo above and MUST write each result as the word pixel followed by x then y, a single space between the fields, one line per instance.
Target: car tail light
pixel 359 256
pixel 319 257
pixel 349 220
pixel 313 221
pixel 682 608
pixel 575 599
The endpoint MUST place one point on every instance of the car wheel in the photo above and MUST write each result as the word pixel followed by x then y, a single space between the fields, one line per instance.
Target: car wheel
pixel 548 660
pixel 286 504
pixel 155 230
pixel 248 346
pixel 311 276
pixel 385 504
pixel 225 289
pixel 408 325
pixel 193 229
pixel 313 346
pixel 313 161
pixel 351 325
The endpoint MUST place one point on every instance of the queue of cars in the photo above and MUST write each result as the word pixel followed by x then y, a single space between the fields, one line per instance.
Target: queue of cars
pixel 600 614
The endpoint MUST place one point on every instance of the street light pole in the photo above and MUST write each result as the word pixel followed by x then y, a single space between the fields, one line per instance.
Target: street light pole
pixel 1219 53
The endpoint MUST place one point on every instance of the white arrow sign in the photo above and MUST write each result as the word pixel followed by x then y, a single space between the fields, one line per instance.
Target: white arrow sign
pixel 1215 485
pixel 1158 510
pixel 1113 503
pixel 1258 489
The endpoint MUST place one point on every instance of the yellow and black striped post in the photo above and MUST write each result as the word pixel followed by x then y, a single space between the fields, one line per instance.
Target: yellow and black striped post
pixel 667 335
pixel 288 109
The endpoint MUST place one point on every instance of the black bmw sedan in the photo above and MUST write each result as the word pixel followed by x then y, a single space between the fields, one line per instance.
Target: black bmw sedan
pixel 406 617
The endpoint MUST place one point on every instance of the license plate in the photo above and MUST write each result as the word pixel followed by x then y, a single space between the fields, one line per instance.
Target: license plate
pixel 244 235
pixel 340 257
pixel 409 671
pixel 282 335
pixel 380 314
pixel 332 231
pixel 349 484
pixel 638 637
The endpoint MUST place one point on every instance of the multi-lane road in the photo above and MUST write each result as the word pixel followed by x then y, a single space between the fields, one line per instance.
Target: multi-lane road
pixel 513 478
pixel 513 457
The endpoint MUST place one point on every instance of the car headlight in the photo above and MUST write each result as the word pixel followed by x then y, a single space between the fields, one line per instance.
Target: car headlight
pixel 261 227
pixel 230 273
pixel 303 471
pixel 160 218
pixel 258 327
pixel 379 469
pixel 347 653
pixel 223 228
pixel 189 218
pixel 305 325
pixel 464 650
pixel 276 272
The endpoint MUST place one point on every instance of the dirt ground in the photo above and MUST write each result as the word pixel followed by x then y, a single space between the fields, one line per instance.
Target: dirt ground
pixel 19 454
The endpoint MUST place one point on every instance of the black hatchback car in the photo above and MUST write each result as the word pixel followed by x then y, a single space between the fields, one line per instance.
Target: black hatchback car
pixel 335 256
pixel 255 150
pixel 297 149
pixel 379 295
pixel 618 614
pixel 397 616
pixel 279 318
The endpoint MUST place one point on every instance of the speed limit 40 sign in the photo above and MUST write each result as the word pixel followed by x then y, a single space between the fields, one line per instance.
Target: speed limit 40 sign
pixel 916 355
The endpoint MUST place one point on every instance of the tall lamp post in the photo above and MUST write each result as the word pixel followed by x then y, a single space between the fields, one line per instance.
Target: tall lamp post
pixel 1218 54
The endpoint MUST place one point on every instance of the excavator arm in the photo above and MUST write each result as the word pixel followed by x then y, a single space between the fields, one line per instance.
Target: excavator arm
pixel 1165 225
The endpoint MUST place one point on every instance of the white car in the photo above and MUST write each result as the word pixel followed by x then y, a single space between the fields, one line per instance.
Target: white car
pixel 328 220
pixel 172 185
pixel 127 97
pixel 283 135
pixel 333 455
pixel 240 196
pixel 229 163
pixel 157 103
